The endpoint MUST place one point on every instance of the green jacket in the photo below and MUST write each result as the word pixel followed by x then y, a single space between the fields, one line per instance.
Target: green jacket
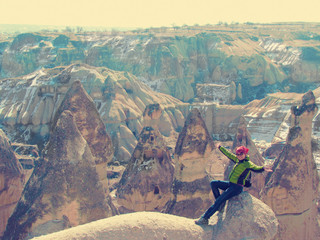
pixel 241 169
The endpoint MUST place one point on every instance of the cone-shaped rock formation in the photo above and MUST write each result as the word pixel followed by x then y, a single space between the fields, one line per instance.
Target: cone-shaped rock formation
pixel 64 189
pixel 88 121
pixel 91 127
pixel 146 181
pixel 292 188
pixel 191 187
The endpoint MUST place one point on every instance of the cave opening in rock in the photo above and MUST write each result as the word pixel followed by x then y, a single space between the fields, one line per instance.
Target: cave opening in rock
pixel 156 190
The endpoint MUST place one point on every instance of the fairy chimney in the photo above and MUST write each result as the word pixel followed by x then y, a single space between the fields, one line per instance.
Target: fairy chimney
pixel 64 189
pixel 191 186
pixel 292 188
pixel 88 121
pixel 90 125
pixel 146 181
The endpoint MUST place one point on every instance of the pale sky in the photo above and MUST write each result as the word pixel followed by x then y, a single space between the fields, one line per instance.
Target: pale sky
pixel 151 13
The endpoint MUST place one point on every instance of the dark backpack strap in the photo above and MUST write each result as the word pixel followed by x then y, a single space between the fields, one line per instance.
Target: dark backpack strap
pixel 248 181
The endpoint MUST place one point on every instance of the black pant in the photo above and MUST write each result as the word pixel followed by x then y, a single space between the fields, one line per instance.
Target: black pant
pixel 231 190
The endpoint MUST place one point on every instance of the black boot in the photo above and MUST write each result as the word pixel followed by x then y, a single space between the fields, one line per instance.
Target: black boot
pixel 202 221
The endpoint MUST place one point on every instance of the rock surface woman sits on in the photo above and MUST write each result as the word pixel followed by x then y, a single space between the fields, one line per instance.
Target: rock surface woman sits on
pixel 237 180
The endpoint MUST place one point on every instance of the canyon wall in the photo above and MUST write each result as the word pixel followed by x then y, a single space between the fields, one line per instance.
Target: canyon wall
pixel 246 61
pixel 27 110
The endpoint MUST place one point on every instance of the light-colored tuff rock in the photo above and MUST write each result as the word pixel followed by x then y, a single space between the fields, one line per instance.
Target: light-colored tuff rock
pixel 136 226
pixel 267 117
pixel 225 119
pixel 29 103
pixel 193 148
pixel 221 120
pixel 64 189
pixel 268 121
pixel 223 94
pixel 244 218
pixel 280 52
pixel 164 121
pixel 11 180
pixel 88 121
pixel 292 189
pixel 146 182
pixel 90 125
pixel 173 62
pixel 191 185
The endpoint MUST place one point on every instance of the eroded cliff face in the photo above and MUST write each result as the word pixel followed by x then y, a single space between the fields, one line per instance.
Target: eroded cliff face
pixel 166 121
pixel 12 179
pixel 29 104
pixel 174 62
pixel 268 118
pixel 128 107
pixel 291 190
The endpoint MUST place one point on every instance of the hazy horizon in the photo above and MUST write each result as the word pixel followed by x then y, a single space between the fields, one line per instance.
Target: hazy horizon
pixel 149 13
pixel 23 28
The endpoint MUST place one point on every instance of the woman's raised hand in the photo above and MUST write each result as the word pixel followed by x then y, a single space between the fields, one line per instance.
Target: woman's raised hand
pixel 268 168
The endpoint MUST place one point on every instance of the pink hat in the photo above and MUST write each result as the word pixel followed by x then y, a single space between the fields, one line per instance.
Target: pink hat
pixel 241 150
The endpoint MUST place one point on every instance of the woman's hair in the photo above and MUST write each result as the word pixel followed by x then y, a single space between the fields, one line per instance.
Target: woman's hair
pixel 241 150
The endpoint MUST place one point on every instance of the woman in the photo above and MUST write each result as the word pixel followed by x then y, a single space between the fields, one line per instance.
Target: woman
pixel 237 180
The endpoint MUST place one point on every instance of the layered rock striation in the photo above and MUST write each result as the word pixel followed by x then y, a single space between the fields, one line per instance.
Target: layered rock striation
pixel 174 62
pixel 191 185
pixel 29 103
pixel 91 127
pixel 88 121
pixel 292 189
